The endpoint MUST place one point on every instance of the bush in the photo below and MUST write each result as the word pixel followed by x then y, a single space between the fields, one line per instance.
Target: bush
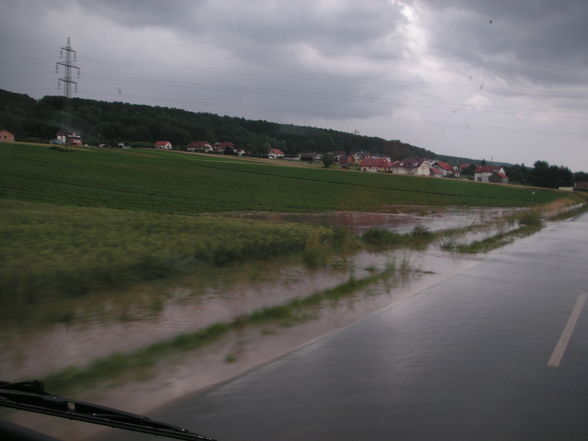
pixel 531 218
pixel 376 236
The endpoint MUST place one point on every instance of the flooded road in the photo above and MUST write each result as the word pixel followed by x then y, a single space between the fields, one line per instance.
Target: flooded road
pixel 469 358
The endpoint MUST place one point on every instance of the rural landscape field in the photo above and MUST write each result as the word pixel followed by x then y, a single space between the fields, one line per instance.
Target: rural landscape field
pixel 99 240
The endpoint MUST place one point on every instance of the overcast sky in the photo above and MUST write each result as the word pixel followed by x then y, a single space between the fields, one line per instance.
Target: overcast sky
pixel 503 79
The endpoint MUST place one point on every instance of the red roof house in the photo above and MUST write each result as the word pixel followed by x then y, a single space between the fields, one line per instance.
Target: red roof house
pixel 163 145
pixel 375 164
pixel 275 153
pixel 490 173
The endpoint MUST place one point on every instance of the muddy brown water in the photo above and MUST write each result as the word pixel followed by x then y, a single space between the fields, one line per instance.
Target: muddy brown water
pixel 434 219
pixel 123 320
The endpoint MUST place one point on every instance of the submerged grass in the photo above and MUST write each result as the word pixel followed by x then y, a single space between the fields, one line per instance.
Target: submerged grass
pixel 55 251
pixel 117 366
pixel 419 237
pixel 531 224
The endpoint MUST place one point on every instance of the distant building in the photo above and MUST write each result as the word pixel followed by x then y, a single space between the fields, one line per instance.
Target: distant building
pixel 221 147
pixel 310 156
pixel 199 146
pixel 375 164
pixel 6 136
pixel 67 137
pixel 490 173
pixel 581 186
pixel 163 145
pixel 441 168
pixel 275 153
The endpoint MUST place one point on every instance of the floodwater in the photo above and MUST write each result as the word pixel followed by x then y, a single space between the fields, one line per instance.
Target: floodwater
pixel 244 349
pixel 96 325
pixel 434 219
pixel 75 331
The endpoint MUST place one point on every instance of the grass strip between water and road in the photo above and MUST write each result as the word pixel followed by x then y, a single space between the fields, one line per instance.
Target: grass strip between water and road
pixel 530 222
pixel 118 365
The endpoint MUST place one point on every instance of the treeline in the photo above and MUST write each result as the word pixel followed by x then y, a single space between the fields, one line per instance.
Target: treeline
pixel 110 123
pixel 543 175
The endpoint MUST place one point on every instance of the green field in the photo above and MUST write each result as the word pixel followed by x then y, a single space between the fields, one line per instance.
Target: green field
pixel 168 182
pixel 48 250
pixel 85 219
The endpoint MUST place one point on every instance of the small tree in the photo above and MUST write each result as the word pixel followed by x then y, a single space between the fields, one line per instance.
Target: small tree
pixel 327 160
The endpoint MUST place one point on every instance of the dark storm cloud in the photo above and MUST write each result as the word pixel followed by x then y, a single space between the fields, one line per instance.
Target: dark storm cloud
pixel 540 41
pixel 144 12
pixel 333 27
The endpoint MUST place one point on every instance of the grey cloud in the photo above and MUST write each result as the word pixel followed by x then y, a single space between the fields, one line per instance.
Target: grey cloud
pixel 540 41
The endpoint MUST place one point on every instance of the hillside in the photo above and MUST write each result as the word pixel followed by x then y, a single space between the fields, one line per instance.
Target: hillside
pixel 114 122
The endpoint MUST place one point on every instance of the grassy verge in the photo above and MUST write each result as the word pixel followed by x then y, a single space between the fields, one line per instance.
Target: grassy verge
pixel 530 222
pixel 572 213
pixel 118 365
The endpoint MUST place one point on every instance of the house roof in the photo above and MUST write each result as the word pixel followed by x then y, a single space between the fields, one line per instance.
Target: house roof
pixel 375 162
pixel 224 144
pixel 277 151
pixel 582 184
pixel 488 169
pixel 444 165
pixel 161 143
pixel 412 162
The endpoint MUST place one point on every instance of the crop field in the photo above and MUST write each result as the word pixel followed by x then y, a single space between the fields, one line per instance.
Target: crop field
pixel 49 250
pixel 168 182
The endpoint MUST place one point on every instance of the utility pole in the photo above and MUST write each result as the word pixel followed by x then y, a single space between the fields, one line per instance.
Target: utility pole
pixel 67 80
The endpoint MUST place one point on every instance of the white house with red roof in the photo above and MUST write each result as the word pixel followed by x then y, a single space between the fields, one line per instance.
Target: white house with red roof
pixel 163 145
pixel 490 173
pixel 275 153
pixel 441 168
pixel 375 165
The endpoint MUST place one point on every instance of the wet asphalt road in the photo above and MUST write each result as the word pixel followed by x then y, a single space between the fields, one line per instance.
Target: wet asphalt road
pixel 464 360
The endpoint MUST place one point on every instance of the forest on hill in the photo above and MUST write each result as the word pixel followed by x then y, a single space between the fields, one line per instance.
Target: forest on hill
pixel 101 122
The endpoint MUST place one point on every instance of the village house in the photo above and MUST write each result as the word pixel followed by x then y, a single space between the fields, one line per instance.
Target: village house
pixel 199 146
pixel 275 154
pixel 441 169
pixel 337 154
pixel 490 173
pixel 6 136
pixel 223 147
pixel 163 145
pixel 375 165
pixel 67 137
pixel 416 167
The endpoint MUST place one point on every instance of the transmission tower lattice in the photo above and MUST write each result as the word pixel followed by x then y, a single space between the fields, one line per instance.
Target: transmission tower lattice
pixel 69 66
pixel 68 57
